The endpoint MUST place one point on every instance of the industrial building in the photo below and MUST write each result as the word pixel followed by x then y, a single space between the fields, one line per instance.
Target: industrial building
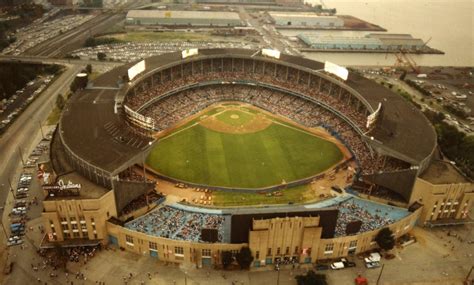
pixel 339 42
pixel 399 41
pixel 306 19
pixel 369 42
pixel 254 2
pixel 183 18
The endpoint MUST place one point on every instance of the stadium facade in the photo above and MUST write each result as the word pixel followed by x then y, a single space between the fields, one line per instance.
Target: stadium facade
pixel 103 133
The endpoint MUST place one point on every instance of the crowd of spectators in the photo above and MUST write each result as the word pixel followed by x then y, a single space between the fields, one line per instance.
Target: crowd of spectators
pixel 325 92
pixel 141 201
pixel 168 110
pixel 350 211
pixel 172 223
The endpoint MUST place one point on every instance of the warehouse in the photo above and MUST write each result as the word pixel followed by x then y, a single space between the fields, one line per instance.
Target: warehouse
pixel 183 18
pixel 298 19
pixel 399 41
pixel 338 42
pixel 369 42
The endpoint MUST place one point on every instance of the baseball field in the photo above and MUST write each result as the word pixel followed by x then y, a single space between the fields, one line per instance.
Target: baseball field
pixel 235 145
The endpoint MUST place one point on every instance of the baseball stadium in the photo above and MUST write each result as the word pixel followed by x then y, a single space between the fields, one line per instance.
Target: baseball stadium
pixel 218 149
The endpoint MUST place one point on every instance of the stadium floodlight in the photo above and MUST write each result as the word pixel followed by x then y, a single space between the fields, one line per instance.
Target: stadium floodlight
pixel 337 70
pixel 189 52
pixel 271 53
pixel 255 53
pixel 136 69
pixel 372 118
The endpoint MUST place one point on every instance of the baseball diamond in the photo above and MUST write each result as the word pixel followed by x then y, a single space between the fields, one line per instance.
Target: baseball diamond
pixel 242 147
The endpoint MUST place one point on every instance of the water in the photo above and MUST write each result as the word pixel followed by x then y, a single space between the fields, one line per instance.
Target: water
pixel 449 24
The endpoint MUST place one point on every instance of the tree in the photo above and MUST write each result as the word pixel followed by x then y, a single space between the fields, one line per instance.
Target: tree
pixel 385 239
pixel 89 68
pixel 60 102
pixel 244 258
pixel 311 278
pixel 101 56
pixel 226 258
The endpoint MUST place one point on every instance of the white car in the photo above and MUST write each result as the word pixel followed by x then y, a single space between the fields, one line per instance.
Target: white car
pixel 15 242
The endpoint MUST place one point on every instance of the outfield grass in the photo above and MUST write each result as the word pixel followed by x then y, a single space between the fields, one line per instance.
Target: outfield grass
pixel 252 160
pixel 297 194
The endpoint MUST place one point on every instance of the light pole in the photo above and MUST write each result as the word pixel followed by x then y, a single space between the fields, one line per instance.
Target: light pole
pixel 41 129
pixel 278 277
pixel 380 274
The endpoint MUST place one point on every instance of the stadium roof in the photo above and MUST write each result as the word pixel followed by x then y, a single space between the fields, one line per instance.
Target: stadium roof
pixel 84 123
pixel 183 14
pixel 442 172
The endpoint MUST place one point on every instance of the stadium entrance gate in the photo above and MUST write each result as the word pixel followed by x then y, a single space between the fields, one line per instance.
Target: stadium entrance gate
pixel 113 240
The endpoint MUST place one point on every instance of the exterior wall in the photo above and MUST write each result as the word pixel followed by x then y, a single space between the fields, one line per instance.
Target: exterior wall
pixel 348 245
pixel 182 22
pixel 302 237
pixel 443 201
pixel 304 19
pixel 90 216
pixel 292 238
pixel 175 251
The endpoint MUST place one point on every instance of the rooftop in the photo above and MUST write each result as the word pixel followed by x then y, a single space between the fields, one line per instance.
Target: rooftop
pixel 89 113
pixel 315 39
pixel 442 172
pixel 299 15
pixel 89 190
pixel 183 14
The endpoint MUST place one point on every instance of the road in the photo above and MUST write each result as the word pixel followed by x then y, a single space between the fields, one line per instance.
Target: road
pixel 269 34
pixel 46 60
pixel 21 133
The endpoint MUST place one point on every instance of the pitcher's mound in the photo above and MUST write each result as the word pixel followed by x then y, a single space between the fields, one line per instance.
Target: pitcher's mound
pixel 234 116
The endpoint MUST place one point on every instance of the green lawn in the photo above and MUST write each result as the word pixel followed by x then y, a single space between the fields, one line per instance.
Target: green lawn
pixel 252 160
pixel 297 194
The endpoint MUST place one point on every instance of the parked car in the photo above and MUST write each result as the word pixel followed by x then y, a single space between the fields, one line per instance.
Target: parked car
pixel 14 242
pixel 21 195
pixel 321 267
pixel 373 261
pixel 372 264
pixel 343 263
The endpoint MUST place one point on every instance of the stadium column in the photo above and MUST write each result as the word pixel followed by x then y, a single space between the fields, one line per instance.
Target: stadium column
pixel 144 168
pixel 319 85
pixel 298 77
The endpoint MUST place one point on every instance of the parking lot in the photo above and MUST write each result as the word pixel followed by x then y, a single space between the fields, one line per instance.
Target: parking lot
pixel 26 194
pixel 128 52
pixel 11 108
pixel 44 29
